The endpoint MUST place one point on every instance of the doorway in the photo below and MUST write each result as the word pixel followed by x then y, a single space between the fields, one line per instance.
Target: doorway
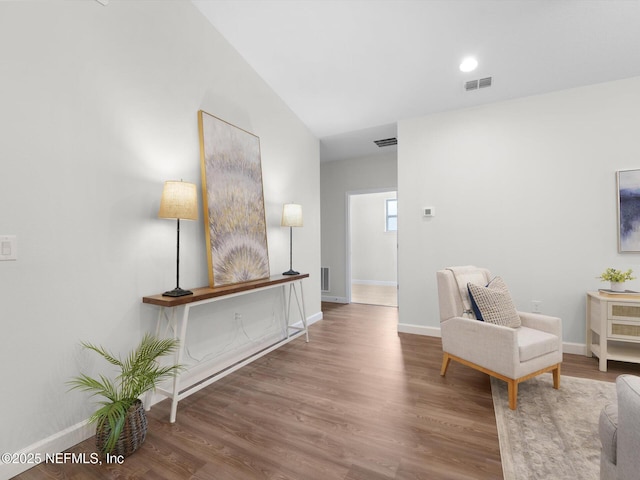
pixel 372 263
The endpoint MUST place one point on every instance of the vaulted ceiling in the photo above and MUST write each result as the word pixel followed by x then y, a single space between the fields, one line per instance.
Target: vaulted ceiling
pixel 350 69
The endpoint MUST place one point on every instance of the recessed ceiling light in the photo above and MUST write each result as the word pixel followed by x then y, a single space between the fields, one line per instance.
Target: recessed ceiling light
pixel 469 64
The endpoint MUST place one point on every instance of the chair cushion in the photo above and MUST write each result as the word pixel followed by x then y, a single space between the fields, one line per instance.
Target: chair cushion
pixel 534 343
pixel 494 303
pixel 608 430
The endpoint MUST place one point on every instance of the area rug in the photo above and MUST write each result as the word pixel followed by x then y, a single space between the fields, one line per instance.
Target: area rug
pixel 553 434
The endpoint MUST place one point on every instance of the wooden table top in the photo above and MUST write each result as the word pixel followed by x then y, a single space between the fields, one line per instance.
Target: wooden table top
pixel 204 293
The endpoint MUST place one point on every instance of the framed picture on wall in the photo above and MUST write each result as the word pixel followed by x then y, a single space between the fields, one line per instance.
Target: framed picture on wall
pixel 628 183
pixel 235 225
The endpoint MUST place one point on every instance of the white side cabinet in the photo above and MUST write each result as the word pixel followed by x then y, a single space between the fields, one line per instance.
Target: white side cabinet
pixel 613 327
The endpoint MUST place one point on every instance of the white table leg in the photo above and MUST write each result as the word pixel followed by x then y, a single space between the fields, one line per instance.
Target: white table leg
pixel 179 355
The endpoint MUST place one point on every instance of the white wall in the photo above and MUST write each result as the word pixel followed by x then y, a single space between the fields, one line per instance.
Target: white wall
pixel 99 108
pixel 336 179
pixel 525 188
pixel 373 249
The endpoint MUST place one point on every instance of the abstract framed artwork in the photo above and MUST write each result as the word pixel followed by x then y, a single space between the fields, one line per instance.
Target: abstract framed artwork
pixel 235 225
pixel 628 183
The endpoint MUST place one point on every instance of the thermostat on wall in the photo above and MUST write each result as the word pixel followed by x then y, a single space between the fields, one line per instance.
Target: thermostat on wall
pixel 429 211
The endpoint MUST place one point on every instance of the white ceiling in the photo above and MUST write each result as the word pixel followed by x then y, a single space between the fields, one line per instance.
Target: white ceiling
pixel 350 69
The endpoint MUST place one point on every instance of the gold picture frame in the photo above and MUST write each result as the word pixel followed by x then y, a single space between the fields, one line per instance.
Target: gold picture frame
pixel 233 201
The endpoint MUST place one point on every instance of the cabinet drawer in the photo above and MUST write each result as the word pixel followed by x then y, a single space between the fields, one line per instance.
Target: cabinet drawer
pixel 624 330
pixel 624 311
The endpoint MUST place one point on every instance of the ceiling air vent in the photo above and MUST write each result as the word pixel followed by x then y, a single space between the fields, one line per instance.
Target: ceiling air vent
pixel 471 85
pixel 476 84
pixel 484 82
pixel 386 142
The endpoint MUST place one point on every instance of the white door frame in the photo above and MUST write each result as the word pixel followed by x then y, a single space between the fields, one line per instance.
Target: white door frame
pixel 349 194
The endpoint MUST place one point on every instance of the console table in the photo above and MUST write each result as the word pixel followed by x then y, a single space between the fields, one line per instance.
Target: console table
pixel 613 327
pixel 205 295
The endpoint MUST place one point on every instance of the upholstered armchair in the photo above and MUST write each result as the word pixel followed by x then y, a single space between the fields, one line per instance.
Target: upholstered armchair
pixel 510 345
pixel 619 429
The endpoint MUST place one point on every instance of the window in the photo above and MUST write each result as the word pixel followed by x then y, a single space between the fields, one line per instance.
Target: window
pixel 391 224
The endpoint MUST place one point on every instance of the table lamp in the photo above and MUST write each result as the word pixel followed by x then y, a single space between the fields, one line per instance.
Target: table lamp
pixel 179 200
pixel 291 217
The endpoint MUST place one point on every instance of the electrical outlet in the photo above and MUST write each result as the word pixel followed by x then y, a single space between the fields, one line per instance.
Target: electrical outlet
pixel 535 306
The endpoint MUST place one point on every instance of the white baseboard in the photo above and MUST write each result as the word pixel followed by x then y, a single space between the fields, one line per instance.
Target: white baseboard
pixel 419 330
pixel 334 299
pixel 314 318
pixel 58 442
pixel 574 348
pixel 383 283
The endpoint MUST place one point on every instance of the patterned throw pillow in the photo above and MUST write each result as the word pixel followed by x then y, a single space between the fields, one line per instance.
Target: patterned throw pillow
pixel 494 303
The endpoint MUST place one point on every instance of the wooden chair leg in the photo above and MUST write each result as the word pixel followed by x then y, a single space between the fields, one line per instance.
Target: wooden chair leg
pixel 556 377
pixel 446 359
pixel 513 394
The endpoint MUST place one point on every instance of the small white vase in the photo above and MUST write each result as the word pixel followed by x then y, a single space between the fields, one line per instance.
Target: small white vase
pixel 617 286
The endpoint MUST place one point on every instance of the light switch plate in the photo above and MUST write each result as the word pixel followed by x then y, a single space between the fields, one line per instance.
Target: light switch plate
pixel 8 247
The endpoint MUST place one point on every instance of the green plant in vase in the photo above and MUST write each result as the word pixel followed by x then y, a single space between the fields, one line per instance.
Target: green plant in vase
pixel 617 278
pixel 121 423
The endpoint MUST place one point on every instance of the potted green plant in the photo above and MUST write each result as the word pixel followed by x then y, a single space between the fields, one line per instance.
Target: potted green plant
pixel 617 278
pixel 121 424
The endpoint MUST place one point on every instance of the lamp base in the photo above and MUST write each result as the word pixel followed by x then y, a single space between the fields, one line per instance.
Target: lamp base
pixel 291 272
pixel 177 292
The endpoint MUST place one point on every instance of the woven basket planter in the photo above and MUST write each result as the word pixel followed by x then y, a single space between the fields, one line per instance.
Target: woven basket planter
pixel 133 433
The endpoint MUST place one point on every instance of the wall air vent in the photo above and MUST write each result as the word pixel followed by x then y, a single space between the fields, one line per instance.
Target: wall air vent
pixel 387 142
pixel 476 84
pixel 324 279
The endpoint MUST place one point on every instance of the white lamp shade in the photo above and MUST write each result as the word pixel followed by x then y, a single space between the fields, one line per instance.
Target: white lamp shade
pixel 291 215
pixel 179 200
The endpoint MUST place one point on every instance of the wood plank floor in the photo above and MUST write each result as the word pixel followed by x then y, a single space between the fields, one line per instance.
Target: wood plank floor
pixel 386 295
pixel 358 402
